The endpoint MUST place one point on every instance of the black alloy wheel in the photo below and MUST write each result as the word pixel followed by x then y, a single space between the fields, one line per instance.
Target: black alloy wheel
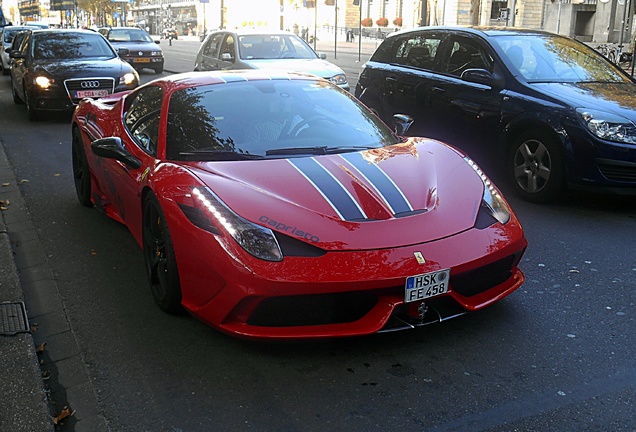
pixel 161 264
pixel 536 167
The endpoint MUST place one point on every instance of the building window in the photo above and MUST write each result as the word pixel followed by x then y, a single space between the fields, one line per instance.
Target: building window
pixel 497 5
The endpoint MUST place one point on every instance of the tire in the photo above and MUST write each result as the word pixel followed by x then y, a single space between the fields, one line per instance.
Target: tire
pixel 81 171
pixel 16 97
pixel 535 164
pixel 159 70
pixel 6 71
pixel 32 113
pixel 161 264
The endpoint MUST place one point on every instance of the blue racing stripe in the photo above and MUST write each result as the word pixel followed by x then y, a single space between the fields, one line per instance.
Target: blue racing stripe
pixel 382 183
pixel 329 187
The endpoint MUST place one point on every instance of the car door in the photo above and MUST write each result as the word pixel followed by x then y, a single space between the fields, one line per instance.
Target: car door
pixel 209 57
pixel 466 113
pixel 407 79
pixel 19 66
pixel 120 182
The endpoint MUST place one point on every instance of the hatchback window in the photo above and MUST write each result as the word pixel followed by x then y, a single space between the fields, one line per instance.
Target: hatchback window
pixel 418 51
pixel 467 54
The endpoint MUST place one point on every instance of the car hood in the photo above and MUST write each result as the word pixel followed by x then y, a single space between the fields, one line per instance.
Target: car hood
pixel 83 68
pixel 321 68
pixel 408 193
pixel 618 98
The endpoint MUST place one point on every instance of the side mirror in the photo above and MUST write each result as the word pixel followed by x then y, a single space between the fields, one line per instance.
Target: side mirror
pixel 113 148
pixel 123 51
pixel 226 57
pixel 158 42
pixel 322 56
pixel 401 123
pixel 481 76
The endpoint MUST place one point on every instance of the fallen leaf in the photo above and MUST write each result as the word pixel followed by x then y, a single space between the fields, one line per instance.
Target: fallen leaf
pixel 56 175
pixel 34 328
pixel 46 375
pixel 6 184
pixel 66 412
pixel 24 181
pixel 40 348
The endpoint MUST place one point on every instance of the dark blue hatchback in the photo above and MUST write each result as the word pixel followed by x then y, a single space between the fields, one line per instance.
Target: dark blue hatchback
pixel 551 109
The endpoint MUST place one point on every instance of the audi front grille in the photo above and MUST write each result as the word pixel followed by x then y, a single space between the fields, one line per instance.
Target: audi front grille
pixel 84 84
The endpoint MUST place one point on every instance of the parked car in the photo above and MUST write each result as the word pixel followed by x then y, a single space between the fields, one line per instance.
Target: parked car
pixel 551 109
pixel 6 36
pixel 256 50
pixel 54 69
pixel 141 50
pixel 274 205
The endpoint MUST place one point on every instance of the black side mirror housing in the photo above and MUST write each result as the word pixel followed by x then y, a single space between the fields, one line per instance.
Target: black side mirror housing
pixel 113 148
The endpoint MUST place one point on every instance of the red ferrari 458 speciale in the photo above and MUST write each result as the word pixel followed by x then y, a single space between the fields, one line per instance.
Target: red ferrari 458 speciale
pixel 274 205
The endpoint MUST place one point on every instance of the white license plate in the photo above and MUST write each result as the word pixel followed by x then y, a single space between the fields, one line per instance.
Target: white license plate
pixel 91 93
pixel 423 286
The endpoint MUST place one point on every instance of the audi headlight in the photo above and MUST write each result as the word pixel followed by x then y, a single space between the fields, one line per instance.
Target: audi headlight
pixel 608 126
pixel 492 199
pixel 43 82
pixel 128 79
pixel 340 79
pixel 255 239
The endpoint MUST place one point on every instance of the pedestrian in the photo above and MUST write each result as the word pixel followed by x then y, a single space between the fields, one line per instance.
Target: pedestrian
pixel 304 33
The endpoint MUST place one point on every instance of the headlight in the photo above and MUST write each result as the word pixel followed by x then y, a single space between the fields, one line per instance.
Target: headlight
pixel 128 79
pixel 339 79
pixel 492 199
pixel 43 82
pixel 608 126
pixel 155 53
pixel 255 239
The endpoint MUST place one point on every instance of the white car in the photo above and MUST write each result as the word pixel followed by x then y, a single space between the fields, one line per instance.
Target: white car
pixel 6 36
pixel 238 49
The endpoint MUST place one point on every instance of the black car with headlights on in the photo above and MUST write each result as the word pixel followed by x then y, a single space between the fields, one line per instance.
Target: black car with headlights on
pixel 550 109
pixel 141 50
pixel 54 69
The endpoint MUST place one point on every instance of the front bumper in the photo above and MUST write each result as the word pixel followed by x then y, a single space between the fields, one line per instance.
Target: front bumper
pixel 346 293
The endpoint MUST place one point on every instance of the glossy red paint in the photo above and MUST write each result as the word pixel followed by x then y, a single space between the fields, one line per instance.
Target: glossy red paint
pixel 362 264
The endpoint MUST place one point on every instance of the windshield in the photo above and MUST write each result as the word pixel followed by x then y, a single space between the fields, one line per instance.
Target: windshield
pixel 269 119
pixel 129 35
pixel 55 45
pixel 267 47
pixel 545 58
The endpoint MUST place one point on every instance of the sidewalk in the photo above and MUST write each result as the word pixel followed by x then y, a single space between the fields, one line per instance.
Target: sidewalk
pixel 24 404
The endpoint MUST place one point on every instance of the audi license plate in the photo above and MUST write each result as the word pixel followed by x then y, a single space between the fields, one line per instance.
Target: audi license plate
pixel 142 60
pixel 91 93
pixel 423 286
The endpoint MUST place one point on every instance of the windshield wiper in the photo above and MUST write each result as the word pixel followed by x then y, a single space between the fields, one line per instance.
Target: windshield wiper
pixel 218 155
pixel 318 150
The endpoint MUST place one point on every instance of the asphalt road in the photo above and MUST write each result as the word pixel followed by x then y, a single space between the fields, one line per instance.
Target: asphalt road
pixel 557 355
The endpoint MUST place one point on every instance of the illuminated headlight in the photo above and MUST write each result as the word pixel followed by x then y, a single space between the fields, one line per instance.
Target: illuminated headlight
pixel 128 79
pixel 608 126
pixel 255 239
pixel 492 199
pixel 43 82
pixel 339 79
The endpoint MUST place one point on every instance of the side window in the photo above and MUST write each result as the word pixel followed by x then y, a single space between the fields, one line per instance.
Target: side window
pixel 212 48
pixel 466 54
pixel 228 47
pixel 418 50
pixel 142 118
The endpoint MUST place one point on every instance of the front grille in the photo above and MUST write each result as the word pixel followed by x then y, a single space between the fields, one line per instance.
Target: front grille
pixel 617 170
pixel 79 84
pixel 479 280
pixel 307 310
